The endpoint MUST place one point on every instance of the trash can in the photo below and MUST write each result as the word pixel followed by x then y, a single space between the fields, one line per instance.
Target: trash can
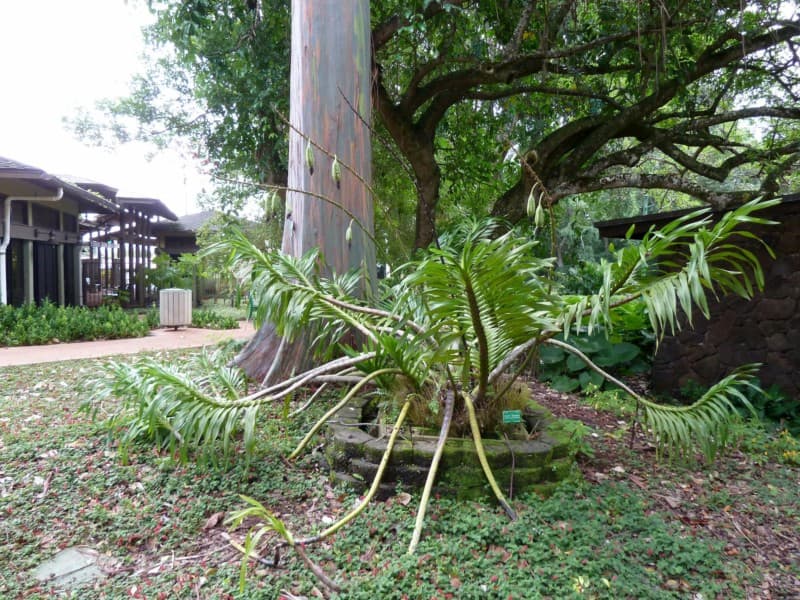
pixel 175 307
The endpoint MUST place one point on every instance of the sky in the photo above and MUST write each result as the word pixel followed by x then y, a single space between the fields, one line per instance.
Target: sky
pixel 60 55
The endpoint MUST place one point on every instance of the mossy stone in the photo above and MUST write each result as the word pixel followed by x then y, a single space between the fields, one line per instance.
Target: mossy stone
pixel 354 455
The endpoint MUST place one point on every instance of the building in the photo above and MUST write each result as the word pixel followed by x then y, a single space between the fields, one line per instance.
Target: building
pixel 72 241
pixel 40 251
pixel 179 236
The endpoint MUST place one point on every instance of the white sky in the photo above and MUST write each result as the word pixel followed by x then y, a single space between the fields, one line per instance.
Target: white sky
pixel 58 55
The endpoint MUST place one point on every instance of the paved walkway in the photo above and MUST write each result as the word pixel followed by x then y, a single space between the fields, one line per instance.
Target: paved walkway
pixel 159 339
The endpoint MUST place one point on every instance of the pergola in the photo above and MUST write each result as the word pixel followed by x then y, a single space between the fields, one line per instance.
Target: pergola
pixel 120 247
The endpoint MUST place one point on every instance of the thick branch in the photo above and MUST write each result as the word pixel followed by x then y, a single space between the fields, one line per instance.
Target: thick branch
pixel 672 182
pixel 512 48
pixel 383 32
pixel 708 63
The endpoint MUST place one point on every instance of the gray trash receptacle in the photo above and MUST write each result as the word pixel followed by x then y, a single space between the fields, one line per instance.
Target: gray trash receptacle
pixel 175 307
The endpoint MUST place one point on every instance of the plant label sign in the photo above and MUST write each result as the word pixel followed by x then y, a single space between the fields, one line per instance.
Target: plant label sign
pixel 512 416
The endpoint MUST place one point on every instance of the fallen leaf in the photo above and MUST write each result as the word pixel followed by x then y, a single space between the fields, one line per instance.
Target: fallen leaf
pixel 638 481
pixel 213 521
pixel 403 498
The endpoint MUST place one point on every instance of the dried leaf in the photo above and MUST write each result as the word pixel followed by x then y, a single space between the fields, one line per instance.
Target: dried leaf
pixel 213 520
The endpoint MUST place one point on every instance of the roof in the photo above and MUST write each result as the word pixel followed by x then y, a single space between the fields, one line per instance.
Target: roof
pixel 187 224
pixel 618 228
pixel 105 190
pixel 12 168
pixel 19 179
pixel 152 206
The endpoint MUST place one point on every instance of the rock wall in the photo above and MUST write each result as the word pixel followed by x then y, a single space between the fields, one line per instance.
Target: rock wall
pixel 765 329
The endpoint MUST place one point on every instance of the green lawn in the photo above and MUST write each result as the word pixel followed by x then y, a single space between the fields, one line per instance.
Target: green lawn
pixel 627 529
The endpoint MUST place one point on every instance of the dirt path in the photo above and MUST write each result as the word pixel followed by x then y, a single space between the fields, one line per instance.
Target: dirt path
pixel 159 339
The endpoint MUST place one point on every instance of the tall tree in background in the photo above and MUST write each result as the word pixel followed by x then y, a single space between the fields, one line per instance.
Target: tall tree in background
pixel 328 200
pixel 695 98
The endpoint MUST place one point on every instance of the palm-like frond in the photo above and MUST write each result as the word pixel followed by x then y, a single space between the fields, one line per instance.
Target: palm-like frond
pixel 705 423
pixel 674 269
pixel 183 406
pixel 463 310
pixel 486 292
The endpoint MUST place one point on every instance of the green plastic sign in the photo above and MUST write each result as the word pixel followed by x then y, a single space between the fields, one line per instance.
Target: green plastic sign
pixel 512 416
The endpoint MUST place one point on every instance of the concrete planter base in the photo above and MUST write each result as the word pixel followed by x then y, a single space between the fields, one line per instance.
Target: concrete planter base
pixel 537 463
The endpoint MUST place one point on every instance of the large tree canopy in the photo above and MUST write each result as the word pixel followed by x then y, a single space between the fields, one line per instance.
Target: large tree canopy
pixel 480 99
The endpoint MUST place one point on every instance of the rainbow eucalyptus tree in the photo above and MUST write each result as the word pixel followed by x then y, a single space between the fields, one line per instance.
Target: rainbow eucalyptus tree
pixel 328 199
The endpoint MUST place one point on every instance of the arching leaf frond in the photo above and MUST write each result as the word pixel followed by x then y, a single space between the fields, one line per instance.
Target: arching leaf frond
pixel 704 424
pixel 674 269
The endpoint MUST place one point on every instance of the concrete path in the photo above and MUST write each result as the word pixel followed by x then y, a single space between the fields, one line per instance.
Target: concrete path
pixel 159 339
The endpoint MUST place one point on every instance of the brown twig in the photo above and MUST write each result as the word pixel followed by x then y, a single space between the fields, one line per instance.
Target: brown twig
pixel 317 570
pixel 45 486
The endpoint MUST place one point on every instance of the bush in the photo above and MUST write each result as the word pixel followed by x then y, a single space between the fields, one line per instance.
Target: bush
pixel 585 278
pixel 152 317
pixel 31 325
pixel 625 350
pixel 208 319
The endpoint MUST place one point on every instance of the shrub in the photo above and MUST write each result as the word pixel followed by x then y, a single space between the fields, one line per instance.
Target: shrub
pixel 567 372
pixel 624 348
pixel 32 325
pixel 585 278
pixel 209 319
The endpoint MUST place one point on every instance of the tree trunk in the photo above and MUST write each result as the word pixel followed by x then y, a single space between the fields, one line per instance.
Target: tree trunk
pixel 330 80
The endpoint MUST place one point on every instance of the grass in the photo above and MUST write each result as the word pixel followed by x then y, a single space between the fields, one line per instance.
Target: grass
pixel 159 520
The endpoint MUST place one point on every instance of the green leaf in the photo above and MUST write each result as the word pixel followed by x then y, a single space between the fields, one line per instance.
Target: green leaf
pixel 575 363
pixel 550 355
pixel 590 377
pixel 563 383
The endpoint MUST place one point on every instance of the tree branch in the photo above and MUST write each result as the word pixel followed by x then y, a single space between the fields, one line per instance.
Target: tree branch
pixel 674 182
pixel 383 32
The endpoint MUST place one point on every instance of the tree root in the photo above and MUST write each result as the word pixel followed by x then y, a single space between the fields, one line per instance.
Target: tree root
pixel 476 437
pixel 447 419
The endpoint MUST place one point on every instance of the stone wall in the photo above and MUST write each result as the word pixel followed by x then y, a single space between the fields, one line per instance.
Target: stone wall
pixel 765 329
pixel 535 463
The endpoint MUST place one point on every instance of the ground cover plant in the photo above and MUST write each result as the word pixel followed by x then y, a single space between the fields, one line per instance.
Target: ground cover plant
pixel 48 323
pixel 228 308
pixel 629 527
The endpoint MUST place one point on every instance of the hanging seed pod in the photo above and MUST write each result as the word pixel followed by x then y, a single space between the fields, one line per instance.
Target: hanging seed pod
pixel 336 171
pixel 348 235
pixel 530 209
pixel 273 201
pixel 538 218
pixel 310 158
